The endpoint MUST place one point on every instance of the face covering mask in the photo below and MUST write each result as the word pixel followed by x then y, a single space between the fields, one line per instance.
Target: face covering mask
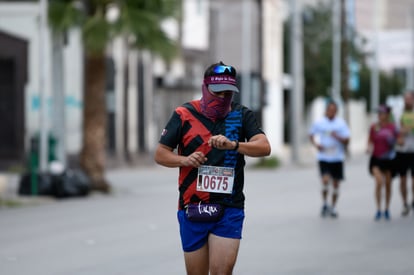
pixel 215 107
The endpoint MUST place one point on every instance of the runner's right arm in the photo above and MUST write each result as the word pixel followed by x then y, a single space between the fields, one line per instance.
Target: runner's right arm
pixel 165 156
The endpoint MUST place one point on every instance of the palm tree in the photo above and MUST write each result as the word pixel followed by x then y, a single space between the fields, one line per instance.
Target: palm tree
pixel 138 19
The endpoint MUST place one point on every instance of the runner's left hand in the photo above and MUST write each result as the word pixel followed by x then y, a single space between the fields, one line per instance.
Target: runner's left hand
pixel 221 142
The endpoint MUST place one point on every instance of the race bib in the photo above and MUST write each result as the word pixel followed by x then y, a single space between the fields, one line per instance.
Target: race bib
pixel 215 179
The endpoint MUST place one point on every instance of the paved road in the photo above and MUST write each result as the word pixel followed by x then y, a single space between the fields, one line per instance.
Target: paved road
pixel 134 231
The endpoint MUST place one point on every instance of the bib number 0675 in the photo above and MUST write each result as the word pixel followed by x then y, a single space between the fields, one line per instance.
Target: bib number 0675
pixel 215 179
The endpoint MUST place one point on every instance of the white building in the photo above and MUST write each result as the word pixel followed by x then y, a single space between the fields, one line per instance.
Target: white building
pixel 245 34
pixel 391 24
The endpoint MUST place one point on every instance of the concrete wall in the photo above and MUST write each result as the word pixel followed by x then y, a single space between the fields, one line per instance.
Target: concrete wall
pixel 22 20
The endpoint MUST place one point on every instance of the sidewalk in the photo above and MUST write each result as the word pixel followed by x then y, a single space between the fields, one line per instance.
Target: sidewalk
pixel 9 182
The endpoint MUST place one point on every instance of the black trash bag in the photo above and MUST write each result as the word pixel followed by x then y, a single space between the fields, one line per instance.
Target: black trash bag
pixel 71 183
pixel 43 184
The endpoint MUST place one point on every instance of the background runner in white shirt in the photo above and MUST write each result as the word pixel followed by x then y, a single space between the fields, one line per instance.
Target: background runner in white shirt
pixel 330 135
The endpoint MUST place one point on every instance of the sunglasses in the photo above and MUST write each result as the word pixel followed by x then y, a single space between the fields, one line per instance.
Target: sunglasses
pixel 222 68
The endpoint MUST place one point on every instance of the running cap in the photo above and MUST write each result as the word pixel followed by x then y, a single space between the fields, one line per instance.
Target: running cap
pixel 221 77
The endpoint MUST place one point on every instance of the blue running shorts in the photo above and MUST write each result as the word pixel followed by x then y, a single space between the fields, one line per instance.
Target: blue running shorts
pixel 195 234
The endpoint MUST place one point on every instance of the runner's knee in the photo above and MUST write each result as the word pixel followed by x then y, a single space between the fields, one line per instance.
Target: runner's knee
pixel 335 190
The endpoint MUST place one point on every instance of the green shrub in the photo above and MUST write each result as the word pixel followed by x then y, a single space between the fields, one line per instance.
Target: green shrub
pixel 267 162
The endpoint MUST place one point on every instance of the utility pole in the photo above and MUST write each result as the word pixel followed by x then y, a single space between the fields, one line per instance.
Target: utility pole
pixel 43 61
pixel 296 71
pixel 119 55
pixel 59 98
pixel 374 59
pixel 336 58
pixel 344 59
pixel 246 51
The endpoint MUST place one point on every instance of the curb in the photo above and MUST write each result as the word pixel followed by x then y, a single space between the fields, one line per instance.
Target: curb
pixel 9 197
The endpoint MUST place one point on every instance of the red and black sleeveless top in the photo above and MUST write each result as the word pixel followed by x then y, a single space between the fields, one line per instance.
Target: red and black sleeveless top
pixel 188 130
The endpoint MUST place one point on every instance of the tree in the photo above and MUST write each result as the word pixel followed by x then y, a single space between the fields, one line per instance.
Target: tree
pixel 140 21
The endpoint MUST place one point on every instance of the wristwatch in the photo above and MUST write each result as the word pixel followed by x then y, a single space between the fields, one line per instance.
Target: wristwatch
pixel 237 145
